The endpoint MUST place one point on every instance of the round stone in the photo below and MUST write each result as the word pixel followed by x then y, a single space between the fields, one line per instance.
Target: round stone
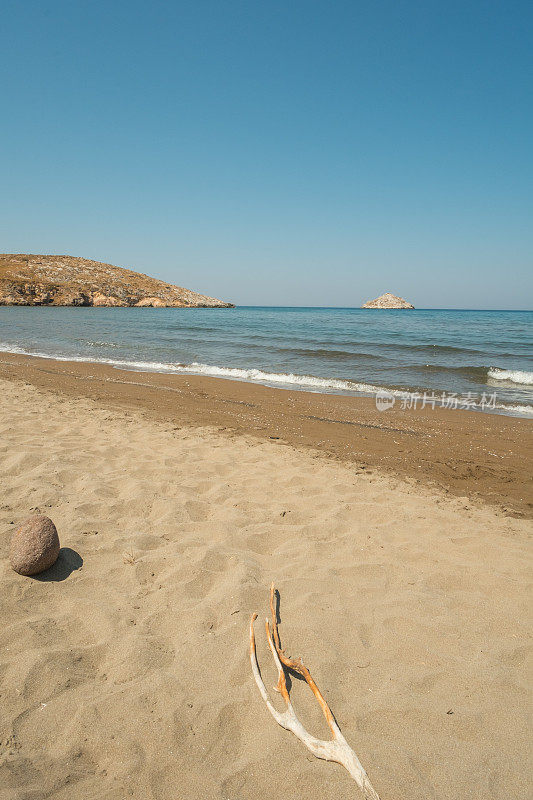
pixel 34 546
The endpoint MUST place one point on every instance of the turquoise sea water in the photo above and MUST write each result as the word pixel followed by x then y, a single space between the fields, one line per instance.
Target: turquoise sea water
pixel 348 351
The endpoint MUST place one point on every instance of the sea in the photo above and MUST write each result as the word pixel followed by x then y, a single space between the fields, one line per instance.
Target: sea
pixel 476 360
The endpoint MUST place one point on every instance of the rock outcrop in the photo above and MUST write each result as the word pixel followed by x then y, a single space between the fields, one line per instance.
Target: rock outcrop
pixel 34 546
pixel 388 300
pixel 40 280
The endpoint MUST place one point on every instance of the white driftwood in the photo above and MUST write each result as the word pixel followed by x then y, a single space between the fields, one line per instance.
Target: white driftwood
pixel 337 749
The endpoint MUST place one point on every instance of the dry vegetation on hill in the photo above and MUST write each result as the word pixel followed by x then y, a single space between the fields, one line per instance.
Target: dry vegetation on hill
pixel 45 280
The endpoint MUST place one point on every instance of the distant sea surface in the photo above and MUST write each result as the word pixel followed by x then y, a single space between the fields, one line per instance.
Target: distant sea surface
pixel 335 350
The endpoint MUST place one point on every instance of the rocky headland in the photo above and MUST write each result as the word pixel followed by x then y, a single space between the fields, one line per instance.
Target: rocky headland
pixel 45 280
pixel 388 300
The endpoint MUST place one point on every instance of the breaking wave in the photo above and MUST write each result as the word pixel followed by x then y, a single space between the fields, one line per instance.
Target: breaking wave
pixel 288 380
pixel 511 375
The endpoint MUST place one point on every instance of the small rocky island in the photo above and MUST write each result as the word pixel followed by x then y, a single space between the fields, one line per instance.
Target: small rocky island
pixel 388 300
pixel 41 280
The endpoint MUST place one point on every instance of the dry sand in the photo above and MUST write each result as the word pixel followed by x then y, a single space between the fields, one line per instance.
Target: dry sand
pixel 127 675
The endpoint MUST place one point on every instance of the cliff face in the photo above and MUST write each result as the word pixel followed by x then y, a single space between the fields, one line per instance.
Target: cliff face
pixel 39 280
pixel 388 300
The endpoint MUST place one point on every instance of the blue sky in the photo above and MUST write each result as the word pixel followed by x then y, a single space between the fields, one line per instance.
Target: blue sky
pixel 295 153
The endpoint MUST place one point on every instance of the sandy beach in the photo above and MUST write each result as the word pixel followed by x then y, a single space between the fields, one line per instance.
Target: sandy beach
pixel 479 457
pixel 398 542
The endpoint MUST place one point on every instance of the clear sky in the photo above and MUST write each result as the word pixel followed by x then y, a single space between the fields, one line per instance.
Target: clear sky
pixel 286 153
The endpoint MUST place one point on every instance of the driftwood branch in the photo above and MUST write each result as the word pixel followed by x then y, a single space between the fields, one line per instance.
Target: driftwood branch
pixel 336 749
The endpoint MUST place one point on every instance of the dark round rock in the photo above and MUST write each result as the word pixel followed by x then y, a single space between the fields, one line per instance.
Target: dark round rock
pixel 34 546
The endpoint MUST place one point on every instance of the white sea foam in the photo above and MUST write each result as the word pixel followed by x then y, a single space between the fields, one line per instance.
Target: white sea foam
pixel 234 373
pixel 289 380
pixel 283 378
pixel 515 409
pixel 511 375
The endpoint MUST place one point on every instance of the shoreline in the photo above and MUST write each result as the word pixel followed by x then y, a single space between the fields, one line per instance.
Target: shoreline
pixel 301 382
pixel 478 362
pixel 483 457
